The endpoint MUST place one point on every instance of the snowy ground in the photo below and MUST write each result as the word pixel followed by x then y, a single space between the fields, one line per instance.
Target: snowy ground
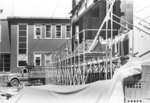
pixel 7 92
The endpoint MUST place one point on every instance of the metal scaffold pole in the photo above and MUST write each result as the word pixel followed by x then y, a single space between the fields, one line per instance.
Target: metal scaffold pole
pixel 71 64
pixel 78 55
pixel 74 68
pixel 106 62
pixel 65 59
pixel 84 43
pixel 111 66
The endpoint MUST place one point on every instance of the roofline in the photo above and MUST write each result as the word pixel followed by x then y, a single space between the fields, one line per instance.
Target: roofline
pixel 24 17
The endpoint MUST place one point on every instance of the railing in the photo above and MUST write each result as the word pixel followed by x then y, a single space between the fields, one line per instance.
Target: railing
pixel 67 73
pixel 71 75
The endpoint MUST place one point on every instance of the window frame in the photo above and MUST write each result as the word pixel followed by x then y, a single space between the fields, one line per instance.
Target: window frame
pixel 18 42
pixel 4 62
pixel 21 60
pixel 45 54
pixel 37 55
pixel 18 59
pixel 56 31
pixel 50 31
pixel 35 27
pixel 68 31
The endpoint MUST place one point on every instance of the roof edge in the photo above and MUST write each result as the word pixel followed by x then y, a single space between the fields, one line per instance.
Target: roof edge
pixel 24 17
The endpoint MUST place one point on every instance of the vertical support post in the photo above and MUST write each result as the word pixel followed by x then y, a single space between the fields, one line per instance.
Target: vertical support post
pixel 74 71
pixel 106 67
pixel 66 63
pixel 71 80
pixel 65 59
pixel 119 48
pixel 84 54
pixel 78 54
pixel 58 65
pixel 111 67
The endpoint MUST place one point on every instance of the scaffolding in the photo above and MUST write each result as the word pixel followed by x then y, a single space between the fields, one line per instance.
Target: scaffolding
pixel 92 54
pixel 93 57
pixel 82 65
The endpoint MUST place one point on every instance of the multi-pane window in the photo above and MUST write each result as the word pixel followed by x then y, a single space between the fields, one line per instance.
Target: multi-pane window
pixel 4 62
pixel 48 31
pixel 38 32
pixel 22 42
pixel 68 31
pixel 37 60
pixel 58 31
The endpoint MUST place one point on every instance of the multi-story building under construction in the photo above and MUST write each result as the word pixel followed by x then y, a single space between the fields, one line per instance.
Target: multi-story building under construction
pixel 100 40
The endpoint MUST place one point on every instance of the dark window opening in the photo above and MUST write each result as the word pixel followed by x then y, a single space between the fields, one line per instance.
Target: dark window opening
pixel 38 61
pixel 48 31
pixel 22 51
pixel 4 62
pixel 68 31
pixel 58 31
pixel 22 63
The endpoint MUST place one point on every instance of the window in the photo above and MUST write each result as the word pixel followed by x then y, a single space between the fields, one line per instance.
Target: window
pixel 68 31
pixel 48 59
pixel 37 59
pixel 22 45
pixel 58 31
pixel 22 63
pixel 38 32
pixel 48 31
pixel 4 62
pixel 22 39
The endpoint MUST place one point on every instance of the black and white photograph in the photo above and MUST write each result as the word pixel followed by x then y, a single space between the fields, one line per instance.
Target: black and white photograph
pixel 74 51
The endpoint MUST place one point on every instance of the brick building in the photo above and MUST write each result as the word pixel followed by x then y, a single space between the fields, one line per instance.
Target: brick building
pixel 31 40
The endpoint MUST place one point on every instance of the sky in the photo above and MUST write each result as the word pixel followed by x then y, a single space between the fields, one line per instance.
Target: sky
pixel 142 9
pixel 55 8
pixel 36 8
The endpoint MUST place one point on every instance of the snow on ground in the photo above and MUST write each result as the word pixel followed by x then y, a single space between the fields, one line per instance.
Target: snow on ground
pixel 7 92
pixel 98 92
